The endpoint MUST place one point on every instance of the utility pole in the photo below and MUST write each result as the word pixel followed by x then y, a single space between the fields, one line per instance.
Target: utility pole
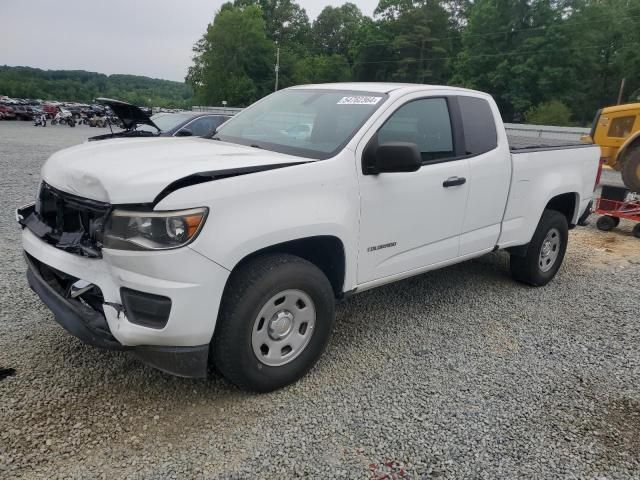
pixel 277 66
pixel 621 91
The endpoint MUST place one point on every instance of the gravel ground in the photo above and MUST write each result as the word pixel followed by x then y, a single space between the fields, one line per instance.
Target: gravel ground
pixel 459 373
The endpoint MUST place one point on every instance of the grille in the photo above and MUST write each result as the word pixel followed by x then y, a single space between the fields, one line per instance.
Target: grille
pixel 69 222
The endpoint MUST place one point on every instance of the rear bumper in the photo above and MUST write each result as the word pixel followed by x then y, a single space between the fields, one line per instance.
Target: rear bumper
pixel 91 327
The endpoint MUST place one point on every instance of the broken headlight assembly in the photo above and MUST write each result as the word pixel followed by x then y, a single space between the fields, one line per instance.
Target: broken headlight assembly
pixel 130 230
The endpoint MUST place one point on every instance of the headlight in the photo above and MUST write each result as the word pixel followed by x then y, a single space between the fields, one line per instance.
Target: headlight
pixel 128 230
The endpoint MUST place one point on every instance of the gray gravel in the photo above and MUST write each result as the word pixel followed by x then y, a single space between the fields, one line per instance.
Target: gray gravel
pixel 460 373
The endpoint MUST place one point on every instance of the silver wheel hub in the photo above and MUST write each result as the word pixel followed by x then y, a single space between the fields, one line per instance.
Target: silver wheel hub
pixel 281 325
pixel 550 250
pixel 283 328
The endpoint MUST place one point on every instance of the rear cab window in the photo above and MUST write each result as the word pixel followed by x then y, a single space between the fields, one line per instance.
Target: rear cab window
pixel 478 124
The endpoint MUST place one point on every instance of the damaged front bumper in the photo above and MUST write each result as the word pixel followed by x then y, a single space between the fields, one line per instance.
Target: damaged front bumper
pixel 91 297
pixel 91 327
pixel 77 317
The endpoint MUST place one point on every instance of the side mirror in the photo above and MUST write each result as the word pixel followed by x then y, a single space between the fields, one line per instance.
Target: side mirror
pixel 185 132
pixel 391 157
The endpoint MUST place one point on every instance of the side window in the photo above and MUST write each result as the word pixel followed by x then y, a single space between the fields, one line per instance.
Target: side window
pixel 480 135
pixel 203 126
pixel 621 126
pixel 426 123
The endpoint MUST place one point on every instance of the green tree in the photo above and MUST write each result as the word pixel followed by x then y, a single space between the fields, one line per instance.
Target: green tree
pixel 322 69
pixel 286 22
pixel 523 52
pixel 287 26
pixel 373 53
pixel 411 42
pixel 605 41
pixel 552 112
pixel 516 50
pixel 232 62
pixel 335 29
pixel 81 86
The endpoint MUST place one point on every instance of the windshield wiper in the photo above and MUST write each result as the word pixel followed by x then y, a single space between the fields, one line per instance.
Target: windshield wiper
pixel 255 145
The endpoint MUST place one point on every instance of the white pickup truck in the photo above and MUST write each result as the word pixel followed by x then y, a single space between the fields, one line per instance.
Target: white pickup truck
pixel 231 251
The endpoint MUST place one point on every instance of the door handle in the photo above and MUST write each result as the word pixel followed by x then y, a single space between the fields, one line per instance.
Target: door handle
pixel 454 182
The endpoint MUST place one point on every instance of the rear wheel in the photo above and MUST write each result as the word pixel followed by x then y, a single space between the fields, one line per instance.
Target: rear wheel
pixel 607 222
pixel 631 170
pixel 274 323
pixel 636 230
pixel 544 253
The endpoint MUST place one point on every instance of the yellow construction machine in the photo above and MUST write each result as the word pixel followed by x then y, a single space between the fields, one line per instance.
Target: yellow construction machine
pixel 617 131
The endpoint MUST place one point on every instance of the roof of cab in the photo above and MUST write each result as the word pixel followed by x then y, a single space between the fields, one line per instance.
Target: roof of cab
pixel 376 87
pixel 379 87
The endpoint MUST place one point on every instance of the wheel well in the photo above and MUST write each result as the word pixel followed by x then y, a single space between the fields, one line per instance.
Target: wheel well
pixel 565 204
pixel 325 252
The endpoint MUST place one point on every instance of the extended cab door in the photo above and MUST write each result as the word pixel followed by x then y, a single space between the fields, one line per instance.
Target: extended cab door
pixel 487 149
pixel 413 220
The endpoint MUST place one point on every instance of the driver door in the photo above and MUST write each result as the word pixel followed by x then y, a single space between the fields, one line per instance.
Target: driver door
pixel 413 220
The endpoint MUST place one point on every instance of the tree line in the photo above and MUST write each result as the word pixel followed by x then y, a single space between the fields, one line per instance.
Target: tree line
pixel 82 86
pixel 544 61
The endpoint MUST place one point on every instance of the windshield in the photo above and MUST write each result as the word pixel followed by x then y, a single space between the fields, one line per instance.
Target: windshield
pixel 309 123
pixel 166 121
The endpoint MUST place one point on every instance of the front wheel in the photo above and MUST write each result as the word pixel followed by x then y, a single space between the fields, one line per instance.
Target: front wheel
pixel 545 252
pixel 275 321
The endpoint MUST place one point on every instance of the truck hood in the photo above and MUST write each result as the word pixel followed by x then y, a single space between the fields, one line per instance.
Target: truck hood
pixel 130 115
pixel 137 170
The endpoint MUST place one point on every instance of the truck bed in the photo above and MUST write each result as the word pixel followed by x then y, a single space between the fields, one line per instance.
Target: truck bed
pixel 526 144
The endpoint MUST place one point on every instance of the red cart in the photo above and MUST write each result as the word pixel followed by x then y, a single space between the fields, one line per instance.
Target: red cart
pixel 612 210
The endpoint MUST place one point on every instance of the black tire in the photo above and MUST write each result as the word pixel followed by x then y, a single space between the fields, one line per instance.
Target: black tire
pixel 607 222
pixel 631 170
pixel 248 290
pixel 636 230
pixel 527 268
